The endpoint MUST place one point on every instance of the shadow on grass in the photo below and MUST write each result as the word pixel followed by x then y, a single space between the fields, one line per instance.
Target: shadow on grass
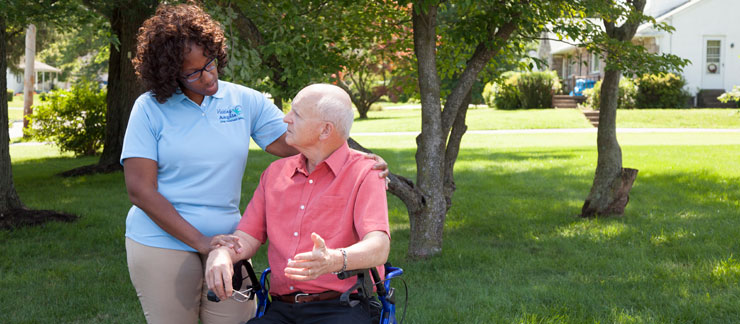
pixel 513 248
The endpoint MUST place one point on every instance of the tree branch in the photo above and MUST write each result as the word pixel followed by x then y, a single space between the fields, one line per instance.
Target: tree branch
pixel 477 62
pixel 399 186
pixel 453 148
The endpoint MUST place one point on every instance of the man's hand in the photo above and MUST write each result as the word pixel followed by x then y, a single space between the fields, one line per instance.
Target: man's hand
pixel 219 269
pixel 311 265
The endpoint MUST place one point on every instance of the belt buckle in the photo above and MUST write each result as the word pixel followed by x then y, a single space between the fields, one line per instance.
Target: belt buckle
pixel 295 299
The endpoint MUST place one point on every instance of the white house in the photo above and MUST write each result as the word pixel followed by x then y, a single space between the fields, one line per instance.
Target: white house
pixel 45 75
pixel 707 32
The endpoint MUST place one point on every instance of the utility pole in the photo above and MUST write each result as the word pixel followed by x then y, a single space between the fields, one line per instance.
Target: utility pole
pixel 29 74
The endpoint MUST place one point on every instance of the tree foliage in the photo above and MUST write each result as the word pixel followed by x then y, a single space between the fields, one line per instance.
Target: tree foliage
pixel 82 50
pixel 281 46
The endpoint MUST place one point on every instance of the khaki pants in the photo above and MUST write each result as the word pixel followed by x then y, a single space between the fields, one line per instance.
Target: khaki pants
pixel 171 288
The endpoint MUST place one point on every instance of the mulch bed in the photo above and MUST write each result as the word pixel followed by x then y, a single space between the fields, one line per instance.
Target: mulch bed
pixel 22 217
pixel 91 169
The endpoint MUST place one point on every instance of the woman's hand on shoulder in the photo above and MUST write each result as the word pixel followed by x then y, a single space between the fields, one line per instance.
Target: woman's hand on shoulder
pixel 381 165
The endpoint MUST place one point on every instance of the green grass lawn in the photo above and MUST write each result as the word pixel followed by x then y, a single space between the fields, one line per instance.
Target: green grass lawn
pixel 513 250
pixel 679 118
pixel 15 107
pixel 409 120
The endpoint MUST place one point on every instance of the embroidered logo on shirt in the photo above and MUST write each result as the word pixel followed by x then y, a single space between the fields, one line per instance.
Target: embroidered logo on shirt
pixel 230 115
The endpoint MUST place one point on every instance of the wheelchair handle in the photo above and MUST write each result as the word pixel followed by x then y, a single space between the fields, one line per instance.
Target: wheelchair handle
pixel 349 273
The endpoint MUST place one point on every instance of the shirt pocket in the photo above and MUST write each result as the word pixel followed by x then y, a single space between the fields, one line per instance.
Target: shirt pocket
pixel 327 216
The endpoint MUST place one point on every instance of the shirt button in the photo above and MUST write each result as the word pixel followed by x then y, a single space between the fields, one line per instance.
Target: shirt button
pixel 203 114
pixel 291 287
pixel 295 233
pixel 310 181
pixel 303 207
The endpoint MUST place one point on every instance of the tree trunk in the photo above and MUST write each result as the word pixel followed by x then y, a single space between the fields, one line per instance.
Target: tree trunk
pixel 29 74
pixel 123 86
pixel 427 222
pixel 278 101
pixel 609 193
pixel 362 110
pixel 612 183
pixel 8 196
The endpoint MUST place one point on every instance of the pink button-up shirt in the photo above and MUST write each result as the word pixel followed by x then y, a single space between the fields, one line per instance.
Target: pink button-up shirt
pixel 341 200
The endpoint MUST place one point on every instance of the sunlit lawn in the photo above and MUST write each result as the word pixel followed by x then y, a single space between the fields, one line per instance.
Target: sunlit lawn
pixel 409 120
pixel 15 107
pixel 513 250
pixel 679 118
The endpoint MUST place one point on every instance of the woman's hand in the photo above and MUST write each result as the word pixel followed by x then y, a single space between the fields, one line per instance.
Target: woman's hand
pixel 227 240
pixel 380 164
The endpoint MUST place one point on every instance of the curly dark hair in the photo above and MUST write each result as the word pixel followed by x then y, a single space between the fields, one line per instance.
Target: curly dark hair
pixel 161 44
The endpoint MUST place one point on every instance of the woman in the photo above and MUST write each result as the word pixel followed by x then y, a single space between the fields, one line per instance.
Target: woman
pixel 184 155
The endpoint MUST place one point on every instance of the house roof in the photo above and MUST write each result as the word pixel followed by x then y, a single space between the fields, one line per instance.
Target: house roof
pixel 645 30
pixel 40 67
pixel 648 30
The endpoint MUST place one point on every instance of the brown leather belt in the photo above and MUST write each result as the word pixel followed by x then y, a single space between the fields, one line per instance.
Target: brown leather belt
pixel 299 298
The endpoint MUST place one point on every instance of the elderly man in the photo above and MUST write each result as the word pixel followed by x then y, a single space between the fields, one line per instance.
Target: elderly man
pixel 323 210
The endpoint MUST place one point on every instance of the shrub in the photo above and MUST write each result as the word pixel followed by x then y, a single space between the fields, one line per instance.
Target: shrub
pixel 537 89
pixel 74 120
pixel 661 91
pixel 626 99
pixel 733 95
pixel 522 90
pixel 488 94
pixel 10 95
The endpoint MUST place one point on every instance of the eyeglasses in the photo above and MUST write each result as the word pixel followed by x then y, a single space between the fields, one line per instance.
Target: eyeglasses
pixel 241 296
pixel 195 76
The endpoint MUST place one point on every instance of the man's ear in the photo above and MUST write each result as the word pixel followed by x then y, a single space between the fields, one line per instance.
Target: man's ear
pixel 326 130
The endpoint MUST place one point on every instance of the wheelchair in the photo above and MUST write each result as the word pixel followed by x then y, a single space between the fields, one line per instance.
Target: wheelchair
pixel 367 281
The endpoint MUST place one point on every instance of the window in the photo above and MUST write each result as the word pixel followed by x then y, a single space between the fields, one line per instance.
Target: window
pixel 713 56
pixel 18 79
pixel 595 63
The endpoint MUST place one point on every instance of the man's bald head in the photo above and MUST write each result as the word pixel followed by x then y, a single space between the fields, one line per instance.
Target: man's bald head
pixel 332 104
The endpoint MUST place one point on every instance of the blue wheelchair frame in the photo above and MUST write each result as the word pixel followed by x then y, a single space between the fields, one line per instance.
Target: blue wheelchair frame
pixel 386 294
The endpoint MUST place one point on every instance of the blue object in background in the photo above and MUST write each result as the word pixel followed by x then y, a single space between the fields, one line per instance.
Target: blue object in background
pixel 582 84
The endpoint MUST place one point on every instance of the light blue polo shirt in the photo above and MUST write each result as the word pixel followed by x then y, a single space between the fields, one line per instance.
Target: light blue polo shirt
pixel 201 152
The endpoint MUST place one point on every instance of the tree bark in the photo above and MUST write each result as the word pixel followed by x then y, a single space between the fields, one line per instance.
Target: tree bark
pixel 8 196
pixel 612 183
pixel 123 86
pixel 427 222
pixel 29 74
pixel 453 148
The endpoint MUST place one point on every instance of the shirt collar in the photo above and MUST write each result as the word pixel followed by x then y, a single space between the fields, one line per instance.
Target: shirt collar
pixel 220 92
pixel 335 161
pixel 179 96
